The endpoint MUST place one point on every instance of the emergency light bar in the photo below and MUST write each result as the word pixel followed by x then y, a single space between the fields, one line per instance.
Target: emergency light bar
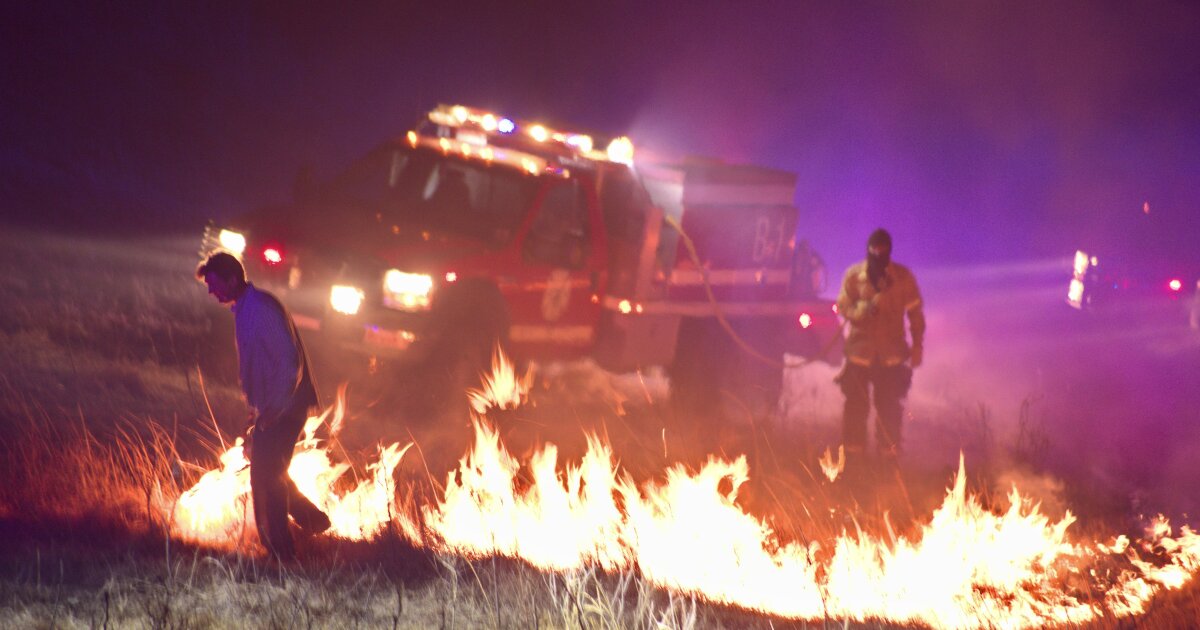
pixel 470 148
pixel 619 150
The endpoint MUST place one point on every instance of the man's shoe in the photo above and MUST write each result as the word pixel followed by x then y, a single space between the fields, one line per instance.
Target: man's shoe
pixel 313 522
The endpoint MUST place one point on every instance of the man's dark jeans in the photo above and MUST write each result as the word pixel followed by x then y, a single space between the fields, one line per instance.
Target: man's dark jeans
pixel 274 493
pixel 889 384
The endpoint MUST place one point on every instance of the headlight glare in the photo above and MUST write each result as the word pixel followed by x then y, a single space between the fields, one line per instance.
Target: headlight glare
pixel 235 242
pixel 407 291
pixel 346 299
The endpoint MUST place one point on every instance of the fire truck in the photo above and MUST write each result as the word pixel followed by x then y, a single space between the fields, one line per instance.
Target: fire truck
pixel 475 229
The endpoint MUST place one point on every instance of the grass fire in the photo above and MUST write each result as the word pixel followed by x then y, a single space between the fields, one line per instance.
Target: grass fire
pixel 570 498
pixel 685 531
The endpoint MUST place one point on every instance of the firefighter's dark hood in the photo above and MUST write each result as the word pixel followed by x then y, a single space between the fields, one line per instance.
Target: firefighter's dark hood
pixel 879 256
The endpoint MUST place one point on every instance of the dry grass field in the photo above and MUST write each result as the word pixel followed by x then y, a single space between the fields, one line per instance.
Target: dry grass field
pixel 118 382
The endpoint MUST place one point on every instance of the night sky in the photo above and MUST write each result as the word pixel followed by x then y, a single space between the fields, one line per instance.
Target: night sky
pixel 975 131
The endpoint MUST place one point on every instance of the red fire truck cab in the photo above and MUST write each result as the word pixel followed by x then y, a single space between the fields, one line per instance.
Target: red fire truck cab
pixel 474 229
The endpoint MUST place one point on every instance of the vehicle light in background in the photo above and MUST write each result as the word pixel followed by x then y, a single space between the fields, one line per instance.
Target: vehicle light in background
pixel 406 291
pixel 346 299
pixel 1175 284
pixel 451 276
pixel 620 150
pixel 459 112
pixel 1075 293
pixel 835 309
pixel 1082 262
pixel 272 255
pixel 235 242
pixel 1079 274
pixel 506 126
pixel 488 122
pixel 538 133
pixel 624 307
pixel 805 320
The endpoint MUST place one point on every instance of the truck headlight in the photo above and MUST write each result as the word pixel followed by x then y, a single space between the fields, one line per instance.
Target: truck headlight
pixel 407 291
pixel 235 242
pixel 346 299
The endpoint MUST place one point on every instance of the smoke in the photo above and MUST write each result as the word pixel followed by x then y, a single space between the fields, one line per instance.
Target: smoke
pixel 1044 490
pixel 809 395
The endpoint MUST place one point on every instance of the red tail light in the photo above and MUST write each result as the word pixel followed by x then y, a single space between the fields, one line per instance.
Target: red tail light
pixel 1175 284
pixel 272 255
pixel 805 320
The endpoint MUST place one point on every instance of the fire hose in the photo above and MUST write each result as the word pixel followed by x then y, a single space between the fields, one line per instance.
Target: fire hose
pixel 724 322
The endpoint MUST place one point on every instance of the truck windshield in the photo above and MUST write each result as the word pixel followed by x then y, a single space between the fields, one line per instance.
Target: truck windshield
pixel 429 190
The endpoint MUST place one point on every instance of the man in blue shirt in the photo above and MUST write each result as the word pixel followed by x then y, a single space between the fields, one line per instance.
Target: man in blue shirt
pixel 280 390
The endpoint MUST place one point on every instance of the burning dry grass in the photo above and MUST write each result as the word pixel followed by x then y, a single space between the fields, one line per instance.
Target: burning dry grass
pixel 115 560
pixel 966 566
pixel 86 545
pixel 96 554
pixel 86 541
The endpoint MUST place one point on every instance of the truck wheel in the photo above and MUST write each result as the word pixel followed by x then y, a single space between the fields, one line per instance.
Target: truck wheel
pixel 714 376
pixel 474 328
pixel 694 379
pixel 460 364
pixel 435 390
pixel 457 370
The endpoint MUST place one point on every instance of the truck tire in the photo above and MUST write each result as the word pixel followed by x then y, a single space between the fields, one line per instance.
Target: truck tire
pixel 713 377
pixel 476 323
pixel 694 378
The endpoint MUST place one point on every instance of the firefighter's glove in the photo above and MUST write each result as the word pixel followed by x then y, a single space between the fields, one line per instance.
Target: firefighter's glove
pixel 917 356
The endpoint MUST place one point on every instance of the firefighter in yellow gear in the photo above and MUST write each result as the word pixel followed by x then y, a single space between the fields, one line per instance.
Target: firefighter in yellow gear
pixel 876 296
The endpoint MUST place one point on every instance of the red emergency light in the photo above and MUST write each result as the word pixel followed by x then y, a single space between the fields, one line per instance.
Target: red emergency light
pixel 272 255
pixel 1175 284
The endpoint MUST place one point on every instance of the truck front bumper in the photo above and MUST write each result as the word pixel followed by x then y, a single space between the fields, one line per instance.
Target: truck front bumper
pixel 407 338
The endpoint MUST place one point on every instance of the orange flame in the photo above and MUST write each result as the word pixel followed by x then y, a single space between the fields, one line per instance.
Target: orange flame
pixel 554 524
pixel 216 510
pixel 966 567
pixel 830 467
pixel 502 389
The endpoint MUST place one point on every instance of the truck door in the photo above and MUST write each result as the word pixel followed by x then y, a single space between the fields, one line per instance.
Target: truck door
pixel 553 316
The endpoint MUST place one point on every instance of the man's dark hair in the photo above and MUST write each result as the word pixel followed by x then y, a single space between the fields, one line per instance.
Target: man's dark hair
pixel 224 265
pixel 880 237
